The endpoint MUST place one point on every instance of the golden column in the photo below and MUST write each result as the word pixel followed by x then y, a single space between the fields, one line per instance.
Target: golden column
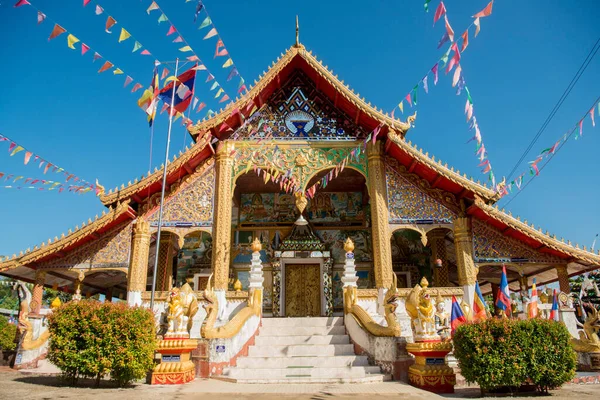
pixel 164 273
pixel 138 263
pixel 563 278
pixel 382 252
pixel 38 292
pixel 437 239
pixel 467 271
pixel 222 215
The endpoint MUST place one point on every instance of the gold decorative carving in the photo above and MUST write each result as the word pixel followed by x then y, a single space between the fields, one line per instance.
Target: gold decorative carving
pixel 419 306
pixel 382 252
pixel 301 201
pixel 256 245
pixel 164 273
pixel 138 264
pixel 222 215
pixel 467 271
pixel 563 278
pixel 349 245
pixel 232 327
pixel 302 290
pixel 183 305
pixel 588 341
pixel 365 320
pixel 437 238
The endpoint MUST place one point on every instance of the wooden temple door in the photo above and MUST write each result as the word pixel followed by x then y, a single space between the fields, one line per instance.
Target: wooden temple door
pixel 302 290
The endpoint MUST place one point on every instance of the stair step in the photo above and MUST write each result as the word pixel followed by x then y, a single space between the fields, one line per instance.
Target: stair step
pixel 314 361
pixel 304 321
pixel 301 339
pixel 367 379
pixel 301 350
pixel 302 330
pixel 300 373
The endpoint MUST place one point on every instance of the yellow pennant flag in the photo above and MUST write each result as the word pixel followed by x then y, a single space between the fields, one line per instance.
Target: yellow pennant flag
pixel 267 176
pixel 124 35
pixel 228 63
pixel 401 107
pixel 71 40
pixel 177 116
pixel 16 150
pixel 219 92
pixel 145 99
pixel 185 48
pixel 117 71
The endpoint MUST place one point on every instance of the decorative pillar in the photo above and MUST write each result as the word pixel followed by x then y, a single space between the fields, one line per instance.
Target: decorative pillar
pixel 276 293
pixel 328 286
pixel 164 273
pixel 563 278
pixel 222 221
pixel 382 249
pixel 467 271
pixel 38 292
pixel 437 239
pixel 138 263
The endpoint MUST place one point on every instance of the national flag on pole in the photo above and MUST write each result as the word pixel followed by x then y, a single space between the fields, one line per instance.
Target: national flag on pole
pixel 479 306
pixel 457 317
pixel 183 90
pixel 503 299
pixel 554 311
pixel 532 307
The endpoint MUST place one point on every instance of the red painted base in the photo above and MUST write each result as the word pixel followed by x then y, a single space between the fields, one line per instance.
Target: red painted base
pixel 173 378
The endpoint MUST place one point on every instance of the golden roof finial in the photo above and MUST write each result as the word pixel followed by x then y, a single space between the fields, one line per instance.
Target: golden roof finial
pixel 297 33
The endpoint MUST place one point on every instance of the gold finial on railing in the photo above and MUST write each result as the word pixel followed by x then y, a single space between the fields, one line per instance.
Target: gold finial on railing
pixel 256 245
pixel 348 245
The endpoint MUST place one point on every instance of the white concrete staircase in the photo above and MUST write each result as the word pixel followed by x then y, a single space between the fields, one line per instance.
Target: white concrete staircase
pixel 303 350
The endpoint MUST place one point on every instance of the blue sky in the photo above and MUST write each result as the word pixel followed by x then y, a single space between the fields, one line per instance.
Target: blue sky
pixel 56 104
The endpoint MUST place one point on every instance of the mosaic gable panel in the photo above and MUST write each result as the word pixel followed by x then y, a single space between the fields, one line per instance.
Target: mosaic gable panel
pixel 407 204
pixel 111 250
pixel 299 111
pixel 491 245
pixel 190 203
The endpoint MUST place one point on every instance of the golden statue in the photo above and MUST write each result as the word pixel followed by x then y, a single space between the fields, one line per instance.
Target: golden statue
pixel 183 305
pixel 232 327
pixel 419 307
pixel 365 320
pixel 588 341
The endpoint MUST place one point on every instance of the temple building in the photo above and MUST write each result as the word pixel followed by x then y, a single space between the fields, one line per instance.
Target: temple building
pixel 300 130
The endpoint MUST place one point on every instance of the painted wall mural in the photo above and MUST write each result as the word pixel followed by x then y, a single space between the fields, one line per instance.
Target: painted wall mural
pixel 333 208
pixel 334 241
pixel 267 208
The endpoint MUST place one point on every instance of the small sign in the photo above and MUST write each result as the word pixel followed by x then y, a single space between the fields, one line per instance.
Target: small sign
pixel 19 358
pixel 220 348
pixel 434 361
pixel 171 358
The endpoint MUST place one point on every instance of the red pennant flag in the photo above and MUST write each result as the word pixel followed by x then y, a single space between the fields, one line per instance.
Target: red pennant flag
pixel 449 29
pixel 171 31
pixel 56 31
pixel 86 2
pixel 486 12
pixel 136 87
pixel 107 65
pixel 128 80
pixel 110 22
pixel 408 99
pixel 145 53
pixel 164 73
pixel 201 106
pixel 218 51
pixel 224 98
pixel 439 12
pixel 465 38
pixel 84 48
pixel 22 3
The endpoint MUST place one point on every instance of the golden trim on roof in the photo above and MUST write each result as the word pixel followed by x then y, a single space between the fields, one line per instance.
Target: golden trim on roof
pixel 125 192
pixel 442 169
pixel 52 246
pixel 537 234
pixel 324 72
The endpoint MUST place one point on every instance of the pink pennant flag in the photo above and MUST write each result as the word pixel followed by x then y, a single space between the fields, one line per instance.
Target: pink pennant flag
pixel 164 108
pixel 128 80
pixel 171 31
pixel 218 51
pixel 408 99
pixel 22 3
pixel 86 2
pixel 211 33
pixel 581 127
pixel 209 78
pixel 439 12
pixel 455 58
pixel 465 38
pixel 376 133
pixel 487 169
pixel 195 58
pixel 12 146
pixel 48 165
pixel 99 10
pixel 477 26
pixel 97 56
pixel 224 98
pixel 145 53
pixel 164 74
pixel 84 48
pixel 435 74
pixel 486 12
pixel 28 155
pixel 449 29
pixel 178 39
pixel 136 87
pixel 456 76
pixel 201 106
pixel 592 116
pixel 41 17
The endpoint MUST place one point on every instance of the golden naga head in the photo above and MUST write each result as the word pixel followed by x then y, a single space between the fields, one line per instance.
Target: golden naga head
pixel 410 120
pixel 100 191
pixel 349 245
pixel 424 283
pixel 256 245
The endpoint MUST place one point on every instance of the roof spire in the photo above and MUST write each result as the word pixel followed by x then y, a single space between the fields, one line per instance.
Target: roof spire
pixel 297 33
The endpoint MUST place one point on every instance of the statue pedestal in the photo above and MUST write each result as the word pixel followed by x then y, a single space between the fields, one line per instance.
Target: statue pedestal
pixel 430 371
pixel 176 366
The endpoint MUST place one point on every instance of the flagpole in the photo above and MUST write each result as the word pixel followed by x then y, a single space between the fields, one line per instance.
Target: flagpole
pixel 162 193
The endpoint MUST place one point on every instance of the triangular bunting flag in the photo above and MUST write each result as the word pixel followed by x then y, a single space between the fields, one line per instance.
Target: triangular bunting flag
pixel 124 35
pixel 71 40
pixel 24 2
pixel 477 26
pixel 99 10
pixel 162 18
pixel 224 98
pixel 117 71
pixel 486 12
pixel 153 6
pixel 205 23
pixel 96 56
pixel 145 53
pixel 128 80
pixel 449 29
pixel 84 48
pixel 211 33
pixel 41 17
pixel 439 12
pixel 136 46
pixel 178 39
pixel 110 22
pixel 228 63
pixel 171 30
pixel 56 31
pixel 465 38
pixel 185 49
pixel 107 65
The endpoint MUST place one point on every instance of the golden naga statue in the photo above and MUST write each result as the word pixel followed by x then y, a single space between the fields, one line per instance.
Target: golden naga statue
pixel 24 326
pixel 419 307
pixel 588 341
pixel 183 305
pixel 365 320
pixel 232 327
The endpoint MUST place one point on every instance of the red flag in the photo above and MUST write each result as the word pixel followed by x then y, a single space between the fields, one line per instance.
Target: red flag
pixel 84 48
pixel 449 29
pixel 56 31
pixel 107 65
pixel 465 38
pixel 22 3
pixel 439 12
pixel 110 22
pixel 486 12
pixel 171 31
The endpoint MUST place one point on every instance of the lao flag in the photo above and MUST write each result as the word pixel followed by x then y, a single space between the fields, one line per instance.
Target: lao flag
pixel 479 307
pixel 532 309
pixel 183 91
pixel 554 311
pixel 457 317
pixel 503 299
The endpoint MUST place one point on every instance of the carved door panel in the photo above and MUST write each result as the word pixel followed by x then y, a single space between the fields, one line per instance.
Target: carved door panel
pixel 302 290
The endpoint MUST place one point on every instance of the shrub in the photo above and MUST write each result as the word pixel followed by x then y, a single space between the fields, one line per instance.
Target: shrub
pixel 501 353
pixel 92 339
pixel 7 334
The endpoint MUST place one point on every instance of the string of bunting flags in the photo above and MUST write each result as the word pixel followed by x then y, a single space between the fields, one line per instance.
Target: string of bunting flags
pixel 29 156
pixel 547 153
pixel 221 50
pixel 220 94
